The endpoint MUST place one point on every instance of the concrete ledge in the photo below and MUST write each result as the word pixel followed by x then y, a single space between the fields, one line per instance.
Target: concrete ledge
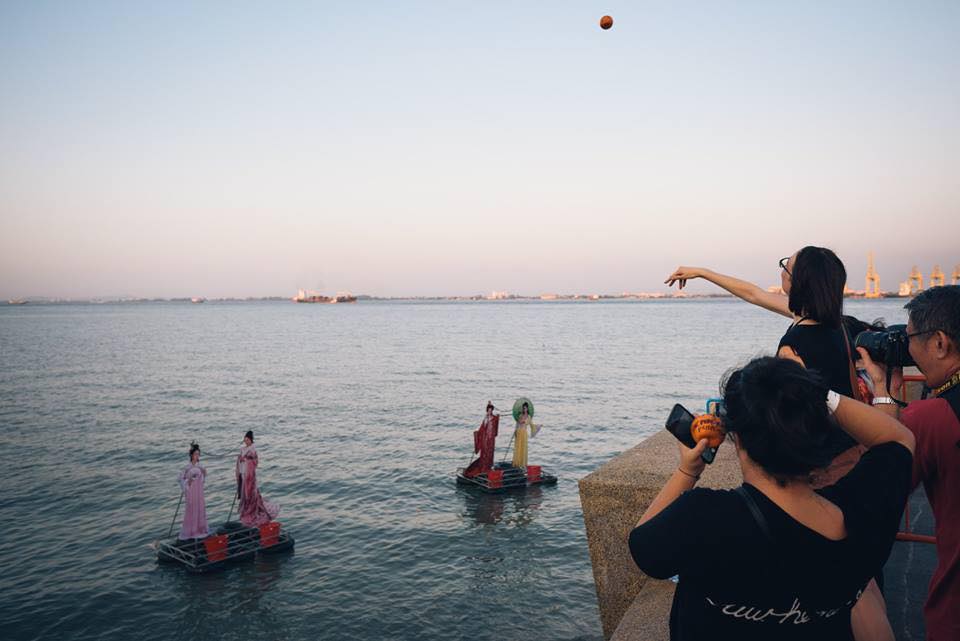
pixel 613 499
pixel 648 617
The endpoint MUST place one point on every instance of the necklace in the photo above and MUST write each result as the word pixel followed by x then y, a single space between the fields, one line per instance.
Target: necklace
pixel 951 382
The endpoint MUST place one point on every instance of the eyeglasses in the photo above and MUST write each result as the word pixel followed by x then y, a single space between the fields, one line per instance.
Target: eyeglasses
pixel 783 265
pixel 926 331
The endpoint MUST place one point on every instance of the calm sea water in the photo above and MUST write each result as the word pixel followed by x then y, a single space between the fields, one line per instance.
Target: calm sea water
pixel 362 415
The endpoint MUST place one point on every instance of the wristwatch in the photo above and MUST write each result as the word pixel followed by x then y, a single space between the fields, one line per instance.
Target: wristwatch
pixel 883 400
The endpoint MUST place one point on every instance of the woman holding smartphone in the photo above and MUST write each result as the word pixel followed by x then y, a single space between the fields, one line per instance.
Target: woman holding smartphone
pixel 775 558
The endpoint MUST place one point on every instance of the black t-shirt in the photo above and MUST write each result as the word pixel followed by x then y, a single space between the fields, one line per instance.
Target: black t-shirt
pixel 735 582
pixel 823 350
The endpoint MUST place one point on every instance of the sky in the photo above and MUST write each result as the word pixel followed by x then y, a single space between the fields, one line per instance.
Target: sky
pixel 411 148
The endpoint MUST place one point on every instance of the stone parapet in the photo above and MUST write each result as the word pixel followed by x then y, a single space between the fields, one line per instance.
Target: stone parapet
pixel 613 498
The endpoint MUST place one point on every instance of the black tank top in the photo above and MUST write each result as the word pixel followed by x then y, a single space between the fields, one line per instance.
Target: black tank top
pixel 824 351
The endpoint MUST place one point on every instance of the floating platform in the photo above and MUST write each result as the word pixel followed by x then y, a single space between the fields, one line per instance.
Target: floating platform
pixel 233 542
pixel 505 477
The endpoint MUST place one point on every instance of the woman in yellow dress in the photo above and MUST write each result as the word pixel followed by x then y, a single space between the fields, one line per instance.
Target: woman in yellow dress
pixel 524 422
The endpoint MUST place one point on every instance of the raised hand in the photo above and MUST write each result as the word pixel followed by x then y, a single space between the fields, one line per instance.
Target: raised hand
pixel 682 275
pixel 878 375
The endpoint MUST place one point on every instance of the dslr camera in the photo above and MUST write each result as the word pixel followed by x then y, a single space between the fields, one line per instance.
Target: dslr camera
pixel 887 346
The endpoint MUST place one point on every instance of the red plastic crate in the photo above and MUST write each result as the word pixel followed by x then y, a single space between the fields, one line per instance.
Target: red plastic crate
pixel 533 473
pixel 216 547
pixel 269 534
pixel 495 478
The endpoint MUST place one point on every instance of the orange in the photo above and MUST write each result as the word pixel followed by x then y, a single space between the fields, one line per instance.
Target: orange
pixel 710 427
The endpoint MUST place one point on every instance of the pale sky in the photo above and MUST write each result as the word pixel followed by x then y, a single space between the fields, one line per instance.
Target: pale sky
pixel 413 148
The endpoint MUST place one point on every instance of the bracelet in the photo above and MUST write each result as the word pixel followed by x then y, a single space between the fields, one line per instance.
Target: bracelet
pixel 695 478
pixel 883 400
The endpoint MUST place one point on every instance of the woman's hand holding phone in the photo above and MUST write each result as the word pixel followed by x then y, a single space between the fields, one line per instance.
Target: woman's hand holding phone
pixel 679 423
pixel 691 459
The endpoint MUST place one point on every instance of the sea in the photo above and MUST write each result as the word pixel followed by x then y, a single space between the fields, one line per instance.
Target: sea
pixel 362 414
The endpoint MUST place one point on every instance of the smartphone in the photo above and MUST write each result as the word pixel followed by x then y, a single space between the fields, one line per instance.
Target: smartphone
pixel 678 424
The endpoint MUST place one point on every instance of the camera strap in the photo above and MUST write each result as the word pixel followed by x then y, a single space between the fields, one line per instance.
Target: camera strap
pixel 854 386
pixel 758 516
pixel 899 403
pixel 952 396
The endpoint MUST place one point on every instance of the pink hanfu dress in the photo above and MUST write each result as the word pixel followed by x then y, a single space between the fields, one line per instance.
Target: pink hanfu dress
pixel 253 509
pixel 195 513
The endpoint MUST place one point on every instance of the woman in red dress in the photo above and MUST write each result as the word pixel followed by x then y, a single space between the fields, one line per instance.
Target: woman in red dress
pixel 484 439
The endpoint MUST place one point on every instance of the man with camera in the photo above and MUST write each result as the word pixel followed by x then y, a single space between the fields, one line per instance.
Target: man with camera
pixel 932 341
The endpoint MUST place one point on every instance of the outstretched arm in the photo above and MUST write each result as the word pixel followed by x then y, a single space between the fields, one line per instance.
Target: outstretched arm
pixel 739 288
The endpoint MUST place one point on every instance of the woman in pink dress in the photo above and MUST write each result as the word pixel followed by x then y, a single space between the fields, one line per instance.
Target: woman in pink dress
pixel 191 482
pixel 253 509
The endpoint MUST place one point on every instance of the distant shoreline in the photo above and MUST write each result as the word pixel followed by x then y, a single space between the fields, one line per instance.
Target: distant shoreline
pixel 361 298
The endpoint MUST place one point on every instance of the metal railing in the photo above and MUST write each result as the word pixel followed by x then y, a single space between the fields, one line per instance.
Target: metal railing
pixel 194 554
